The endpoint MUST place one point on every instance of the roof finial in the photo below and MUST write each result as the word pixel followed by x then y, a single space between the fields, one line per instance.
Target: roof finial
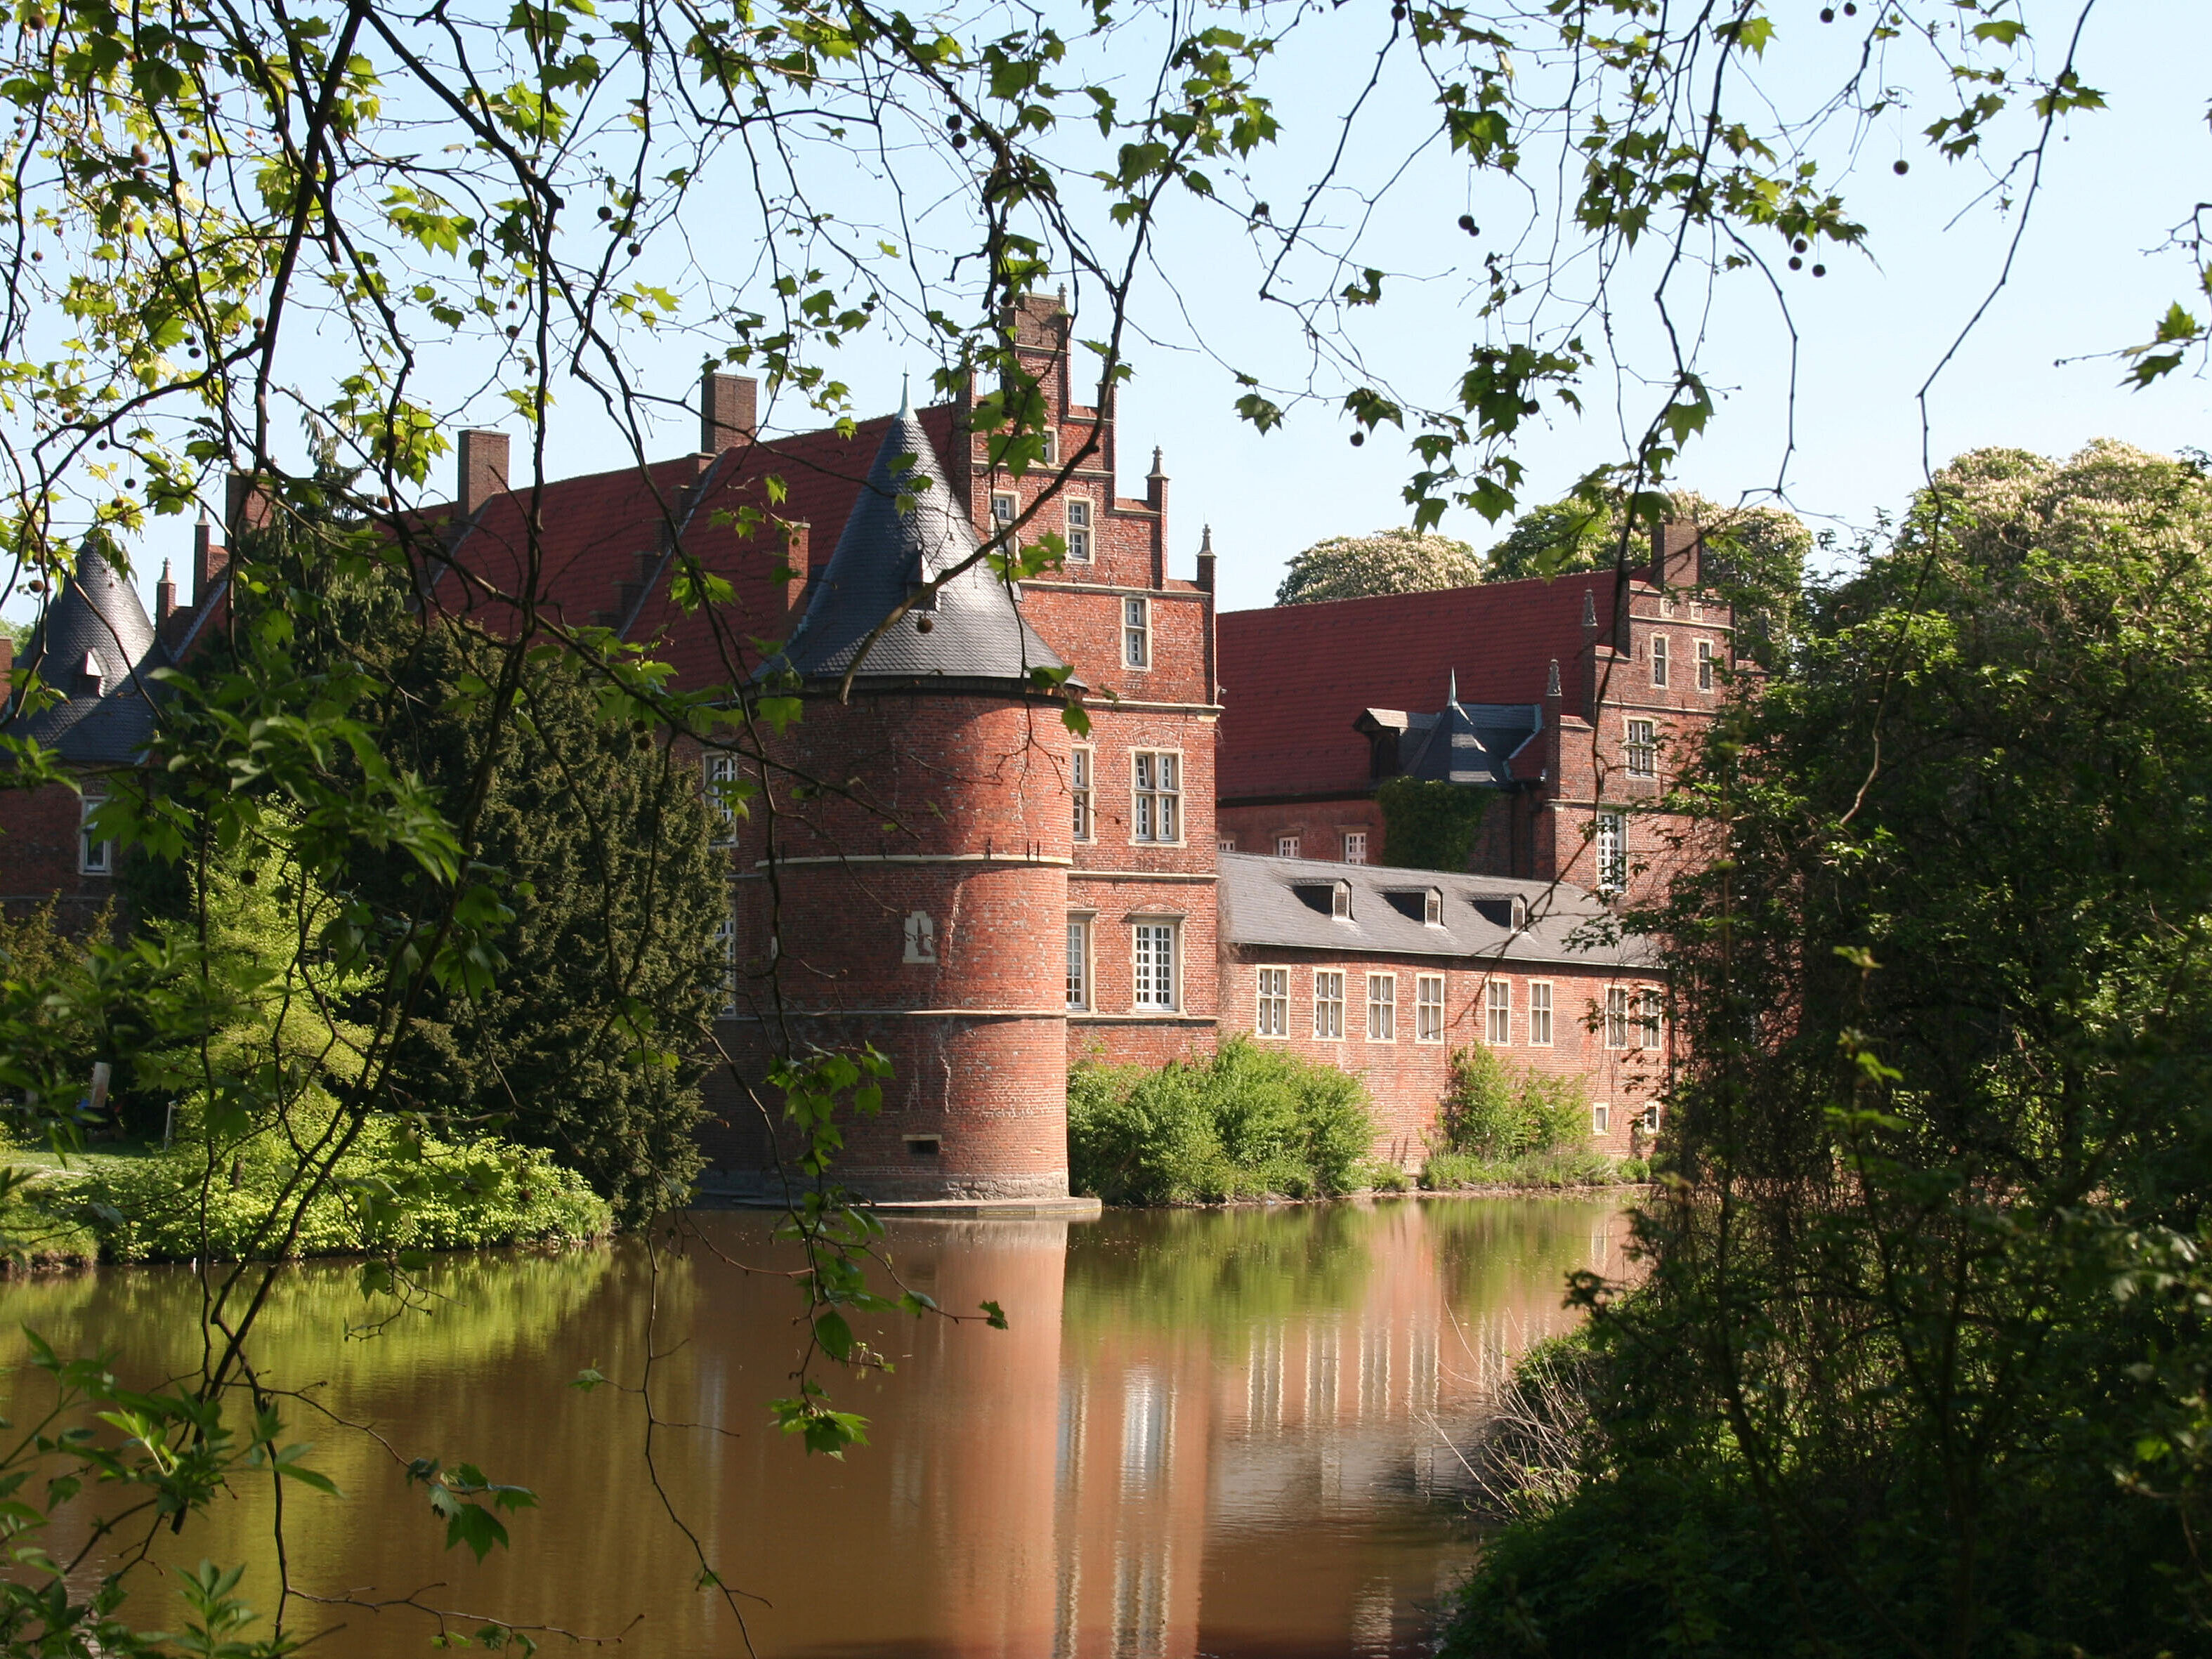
pixel 1452 700
pixel 1156 462
pixel 1205 542
pixel 906 399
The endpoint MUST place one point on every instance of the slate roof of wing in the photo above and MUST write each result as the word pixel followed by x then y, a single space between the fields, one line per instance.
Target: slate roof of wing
pixel 1260 904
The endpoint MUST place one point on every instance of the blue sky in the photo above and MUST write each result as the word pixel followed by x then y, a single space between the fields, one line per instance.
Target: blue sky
pixel 2088 279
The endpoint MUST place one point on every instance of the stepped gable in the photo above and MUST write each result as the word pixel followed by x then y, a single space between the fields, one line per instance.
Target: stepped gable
pixel 905 528
pixel 1297 678
pixel 93 646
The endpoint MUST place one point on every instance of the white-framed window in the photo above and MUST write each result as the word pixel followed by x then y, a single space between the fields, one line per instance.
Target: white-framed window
pixel 1329 1002
pixel 1080 762
pixel 1616 1017
pixel 1540 1013
pixel 1156 965
pixel 1432 908
pixel 1227 843
pixel 1355 847
pixel 1497 1007
pixel 1658 660
pixel 721 776
pixel 1652 1119
pixel 1428 1008
pixel 1051 437
pixel 1382 1007
pixel 1647 1017
pixel 1704 664
pixel 921 938
pixel 1286 846
pixel 1611 841
pixel 1079 530
pixel 1157 774
pixel 1600 1118
pixel 1340 901
pixel 1136 633
pixel 93 857
pixel 1665 604
pixel 1078 964
pixel 1643 749
pixel 1697 610
pixel 1273 1016
pixel 725 946
pixel 1005 507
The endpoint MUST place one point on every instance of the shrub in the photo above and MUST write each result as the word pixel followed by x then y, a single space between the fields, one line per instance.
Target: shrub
pixel 1243 1124
pixel 393 1190
pixel 1496 1112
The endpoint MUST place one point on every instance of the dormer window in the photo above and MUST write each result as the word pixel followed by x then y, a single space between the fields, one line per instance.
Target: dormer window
pixel 1432 908
pixel 1339 901
pixel 1520 913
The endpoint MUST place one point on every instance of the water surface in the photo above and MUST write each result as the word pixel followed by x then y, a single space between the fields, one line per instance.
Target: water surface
pixel 1225 1433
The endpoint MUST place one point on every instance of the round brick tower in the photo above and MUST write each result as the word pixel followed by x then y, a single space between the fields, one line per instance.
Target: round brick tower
pixel 905 882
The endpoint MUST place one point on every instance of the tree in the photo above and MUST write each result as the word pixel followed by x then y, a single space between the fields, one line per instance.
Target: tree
pixel 1386 561
pixel 1942 1132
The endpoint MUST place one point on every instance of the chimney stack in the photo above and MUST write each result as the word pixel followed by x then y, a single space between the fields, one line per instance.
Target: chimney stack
pixel 209 557
pixel 483 470
pixel 729 411
pixel 1206 561
pixel 1677 563
pixel 246 505
pixel 165 597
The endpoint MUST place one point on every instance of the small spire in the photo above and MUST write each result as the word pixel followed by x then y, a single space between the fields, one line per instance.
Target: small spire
pixel 906 399
pixel 1551 685
pixel 1452 696
pixel 1063 296
pixel 1157 472
pixel 1205 544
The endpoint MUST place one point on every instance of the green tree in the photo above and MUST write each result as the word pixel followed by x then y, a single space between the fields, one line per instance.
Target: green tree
pixel 1919 1360
pixel 1387 562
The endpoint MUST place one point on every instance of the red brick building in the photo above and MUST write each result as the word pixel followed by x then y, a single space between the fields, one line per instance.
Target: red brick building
pixel 1564 697
pixel 935 864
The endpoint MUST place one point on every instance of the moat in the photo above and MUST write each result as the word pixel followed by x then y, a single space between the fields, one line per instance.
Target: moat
pixel 1220 1433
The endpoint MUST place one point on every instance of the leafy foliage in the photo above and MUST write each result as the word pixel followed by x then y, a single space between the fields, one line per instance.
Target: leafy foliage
pixel 1386 561
pixel 1247 1122
pixel 1494 1111
pixel 1918 1362
pixel 1429 823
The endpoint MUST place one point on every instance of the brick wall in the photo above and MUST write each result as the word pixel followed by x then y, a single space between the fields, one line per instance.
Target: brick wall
pixel 1406 1078
pixel 40 855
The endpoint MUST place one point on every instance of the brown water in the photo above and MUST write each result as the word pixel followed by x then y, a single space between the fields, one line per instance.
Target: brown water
pixel 1205 1433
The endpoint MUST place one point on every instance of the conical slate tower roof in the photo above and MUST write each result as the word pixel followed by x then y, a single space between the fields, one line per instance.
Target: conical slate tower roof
pixel 92 645
pixel 976 631
pixel 1472 742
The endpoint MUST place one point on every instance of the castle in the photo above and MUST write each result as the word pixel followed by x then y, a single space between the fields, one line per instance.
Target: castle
pixel 934 863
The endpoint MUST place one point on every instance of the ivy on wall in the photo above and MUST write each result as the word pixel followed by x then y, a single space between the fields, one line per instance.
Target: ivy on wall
pixel 1429 824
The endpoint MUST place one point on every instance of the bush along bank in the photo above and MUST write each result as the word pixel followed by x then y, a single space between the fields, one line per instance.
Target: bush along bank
pixel 1501 1125
pixel 1245 1124
pixel 394 1189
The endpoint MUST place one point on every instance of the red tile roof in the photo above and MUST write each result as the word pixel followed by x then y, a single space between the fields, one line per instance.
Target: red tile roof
pixel 595 528
pixel 1294 678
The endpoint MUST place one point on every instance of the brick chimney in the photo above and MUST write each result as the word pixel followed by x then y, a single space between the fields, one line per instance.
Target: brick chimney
pixel 1677 561
pixel 798 553
pixel 165 597
pixel 482 473
pixel 210 558
pixel 729 411
pixel 246 505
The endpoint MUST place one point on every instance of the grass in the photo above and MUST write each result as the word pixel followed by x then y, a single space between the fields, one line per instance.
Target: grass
pixel 1447 1171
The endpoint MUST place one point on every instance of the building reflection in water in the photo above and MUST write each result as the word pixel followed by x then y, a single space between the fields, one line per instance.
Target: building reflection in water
pixel 1220 1432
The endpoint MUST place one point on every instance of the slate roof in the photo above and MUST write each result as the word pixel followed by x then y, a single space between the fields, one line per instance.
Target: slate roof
pixel 905 528
pixel 1295 676
pixel 1462 742
pixel 94 645
pixel 1284 902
